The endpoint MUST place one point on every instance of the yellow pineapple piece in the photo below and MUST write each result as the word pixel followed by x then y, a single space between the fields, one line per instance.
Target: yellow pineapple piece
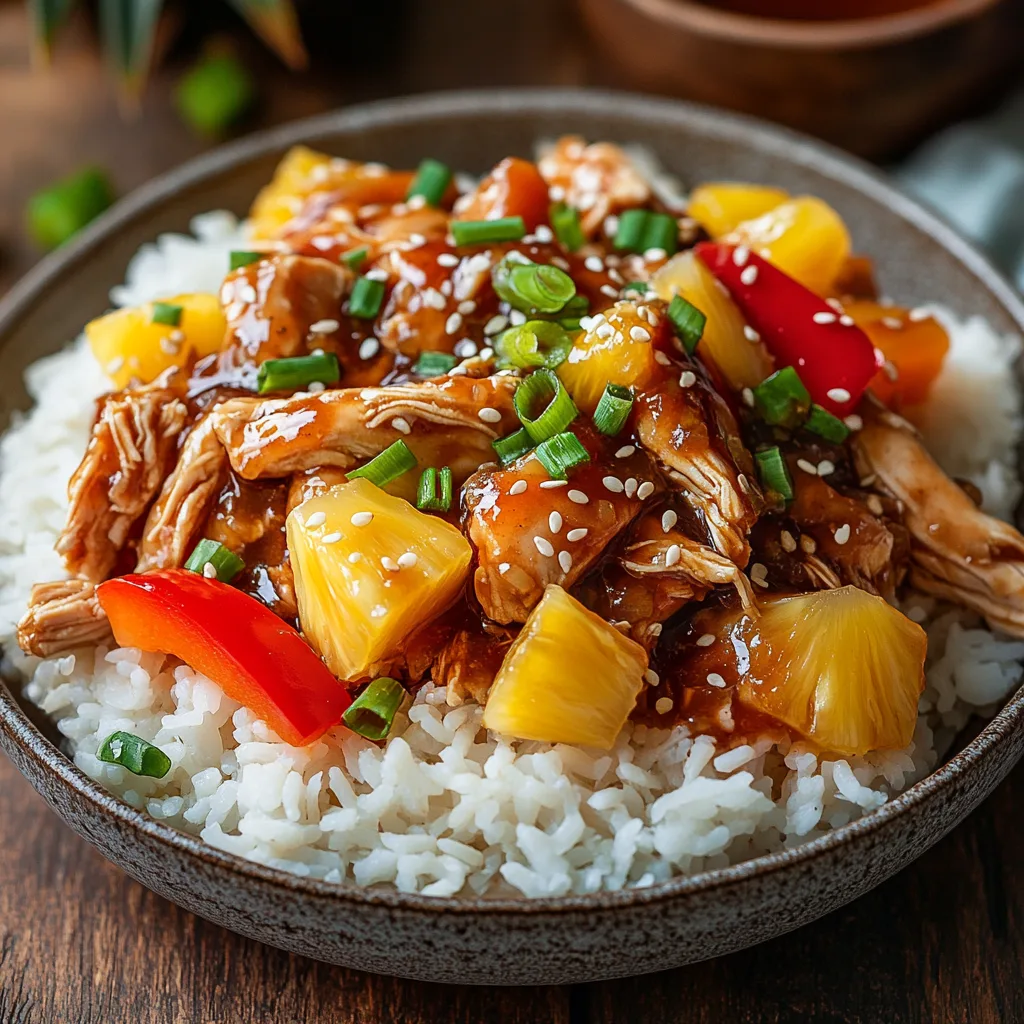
pixel 369 570
pixel 841 667
pixel 805 237
pixel 743 360
pixel 299 174
pixel 570 677
pixel 129 345
pixel 720 206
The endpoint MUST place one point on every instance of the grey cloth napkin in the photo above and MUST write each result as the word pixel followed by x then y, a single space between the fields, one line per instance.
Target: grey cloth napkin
pixel 973 174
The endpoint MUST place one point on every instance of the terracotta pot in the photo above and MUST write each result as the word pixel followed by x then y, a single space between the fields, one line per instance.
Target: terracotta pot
pixel 873 86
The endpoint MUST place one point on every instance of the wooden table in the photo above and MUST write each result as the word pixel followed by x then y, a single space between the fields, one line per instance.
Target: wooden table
pixel 80 943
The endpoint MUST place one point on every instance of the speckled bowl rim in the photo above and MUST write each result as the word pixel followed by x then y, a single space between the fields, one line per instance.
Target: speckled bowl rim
pixel 792 146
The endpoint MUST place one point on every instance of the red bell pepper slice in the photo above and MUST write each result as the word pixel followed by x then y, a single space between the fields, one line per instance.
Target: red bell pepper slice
pixel 833 356
pixel 255 657
pixel 514 188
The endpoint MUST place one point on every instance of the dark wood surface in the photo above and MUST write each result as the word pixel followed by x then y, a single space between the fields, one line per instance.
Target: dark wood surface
pixel 80 943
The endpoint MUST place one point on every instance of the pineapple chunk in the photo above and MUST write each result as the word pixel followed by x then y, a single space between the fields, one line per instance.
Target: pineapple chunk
pixel 128 345
pixel 743 362
pixel 369 570
pixel 623 354
pixel 805 238
pixel 570 677
pixel 720 206
pixel 298 175
pixel 841 667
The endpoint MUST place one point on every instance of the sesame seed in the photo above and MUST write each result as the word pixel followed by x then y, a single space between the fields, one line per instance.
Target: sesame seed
pixel 808 545
pixel 706 640
pixel 448 259
pixel 578 534
pixel 654 629
pixel 356 556
pixel 639 334
pixel 503 567
pixel 749 275
pixel 172 348
pixel 489 415
pixel 609 290
pixel 748 398
pixel 868 480
pixel 377 274
pixel 631 486
pixel 495 325
pixel 838 394
pixel 433 298
pixel 714 679
pixel 518 487
pixel 361 519
pixel 854 422
pixel 740 255
pixel 653 254
pixel 555 521
pixel 390 564
pixel 565 561
pixel 824 318
pixel 543 546
pixel 807 467
pixel 874 504
pixel 652 677
pixel 247 293
pixel 315 520
pixel 369 348
pixel 466 307
pixel 401 425
pixel 408 560
pixel 314 387
pixel 674 553
pixel 210 571
pixel 551 485
pixel 892 323
pixel 614 484
pixel 788 541
pixel 660 357
pixel 544 234
pixel 453 323
pixel 751 335
pixel 668 520
pixel 487 353
pixel 825 468
pixel 625 451
pixel 918 314
pixel 323 326
pixel 115 364
pixel 458 371
pixel 416 240
pixel 846 320
pixel 594 263
pixel 842 535
pixel 664 705
pixel 330 538
pixel 516 318
pixel 687 379
pixel 645 490
pixel 890 370
pixel 578 497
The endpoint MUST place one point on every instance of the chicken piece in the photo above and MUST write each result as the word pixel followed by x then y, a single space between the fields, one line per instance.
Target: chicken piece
pixel 62 616
pixel 271 305
pixel 958 553
pixel 446 422
pixel 692 433
pixel 312 483
pixel 469 661
pixel 528 535
pixel 597 180
pixel 179 513
pixel 132 443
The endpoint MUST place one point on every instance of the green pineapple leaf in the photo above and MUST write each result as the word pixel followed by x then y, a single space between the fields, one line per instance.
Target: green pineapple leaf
pixel 275 22
pixel 47 16
pixel 128 28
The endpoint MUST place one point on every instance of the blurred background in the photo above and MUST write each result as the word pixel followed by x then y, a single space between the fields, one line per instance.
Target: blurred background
pixel 97 97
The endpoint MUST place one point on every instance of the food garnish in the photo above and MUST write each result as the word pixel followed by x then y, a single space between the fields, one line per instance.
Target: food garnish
pixel 139 756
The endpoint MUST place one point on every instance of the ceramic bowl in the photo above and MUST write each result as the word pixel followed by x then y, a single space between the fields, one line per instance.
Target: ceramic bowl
pixel 512 941
pixel 873 85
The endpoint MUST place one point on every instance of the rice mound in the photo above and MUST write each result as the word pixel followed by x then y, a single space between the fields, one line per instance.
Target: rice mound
pixel 443 807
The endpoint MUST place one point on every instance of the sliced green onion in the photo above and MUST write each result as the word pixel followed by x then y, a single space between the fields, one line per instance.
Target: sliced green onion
pixel 782 399
pixel 613 409
pixel 215 94
pixel 561 453
pixel 366 298
pixel 512 446
pixel 431 181
pixel 63 209
pixel 565 222
pixel 771 467
pixel 434 493
pixel 372 713
pixel 559 409
pixel 297 372
pixel 824 424
pixel 688 322
pixel 166 313
pixel 243 257
pixel 226 565
pixel 531 287
pixel 392 463
pixel 535 343
pixel 630 233
pixel 477 232
pixel 636 286
pixel 660 232
pixel 434 364
pixel 355 258
pixel 139 756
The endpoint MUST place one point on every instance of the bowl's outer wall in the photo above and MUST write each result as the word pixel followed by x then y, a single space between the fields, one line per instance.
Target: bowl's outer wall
pixel 515 942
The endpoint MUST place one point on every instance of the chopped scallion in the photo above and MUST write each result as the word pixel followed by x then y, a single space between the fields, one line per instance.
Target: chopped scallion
pixel 435 490
pixel 782 399
pixel 243 257
pixel 531 287
pixel 688 322
pixel 431 181
pixel 565 221
pixel 630 233
pixel 373 712
pixel 366 298
pixel 139 756
pixel 166 313
pixel 613 409
pixel 660 232
pixel 63 209
pixel 298 372
pixel 561 453
pixel 355 258
pixel 434 364
pixel 636 286
pixel 512 446
pixel 393 462
pixel 559 410
pixel 226 565
pixel 479 232
pixel 535 343
pixel 771 467
pixel 824 424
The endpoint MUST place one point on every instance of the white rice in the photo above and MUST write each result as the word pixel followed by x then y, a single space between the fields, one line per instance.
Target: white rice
pixel 443 807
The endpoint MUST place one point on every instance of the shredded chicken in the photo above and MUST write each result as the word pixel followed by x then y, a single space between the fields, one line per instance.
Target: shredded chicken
pixel 62 616
pixel 958 552
pixel 469 661
pixel 131 445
